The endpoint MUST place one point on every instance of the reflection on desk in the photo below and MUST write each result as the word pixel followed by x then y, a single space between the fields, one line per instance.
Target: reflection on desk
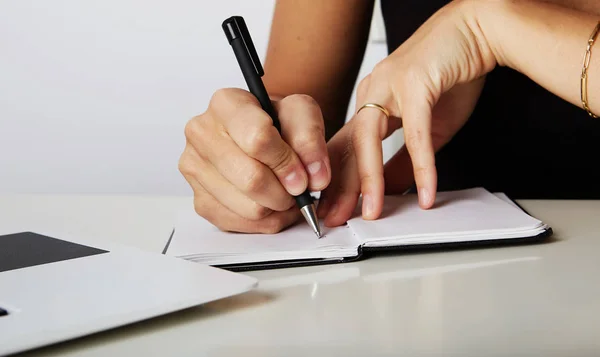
pixel 534 300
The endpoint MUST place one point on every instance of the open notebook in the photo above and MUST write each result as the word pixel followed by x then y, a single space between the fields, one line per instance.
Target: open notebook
pixel 471 216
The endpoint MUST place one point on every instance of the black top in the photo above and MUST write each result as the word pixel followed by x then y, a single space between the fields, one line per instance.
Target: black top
pixel 521 139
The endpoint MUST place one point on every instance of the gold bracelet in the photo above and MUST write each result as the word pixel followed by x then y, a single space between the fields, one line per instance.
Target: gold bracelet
pixel 586 64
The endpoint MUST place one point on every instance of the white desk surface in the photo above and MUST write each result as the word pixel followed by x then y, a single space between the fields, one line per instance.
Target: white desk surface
pixel 513 301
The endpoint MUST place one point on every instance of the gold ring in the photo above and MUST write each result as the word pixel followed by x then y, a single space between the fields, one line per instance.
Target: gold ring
pixel 376 106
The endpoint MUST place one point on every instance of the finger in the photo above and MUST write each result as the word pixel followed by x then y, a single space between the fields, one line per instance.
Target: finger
pixel 253 131
pixel 345 196
pixel 417 136
pixel 249 176
pixel 394 121
pixel 226 220
pixel 324 203
pixel 340 200
pixel 366 140
pixel 341 196
pixel 325 199
pixel 221 189
pixel 398 173
pixel 335 152
pixel 368 131
pixel 303 129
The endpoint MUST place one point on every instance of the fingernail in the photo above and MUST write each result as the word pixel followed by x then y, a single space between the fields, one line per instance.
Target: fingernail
pixel 424 197
pixel 367 206
pixel 314 167
pixel 318 174
pixel 294 183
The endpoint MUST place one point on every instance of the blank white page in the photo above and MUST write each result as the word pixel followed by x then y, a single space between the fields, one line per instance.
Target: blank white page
pixel 197 239
pixel 457 214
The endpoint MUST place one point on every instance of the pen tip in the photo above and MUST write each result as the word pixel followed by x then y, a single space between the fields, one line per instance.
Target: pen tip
pixel 311 217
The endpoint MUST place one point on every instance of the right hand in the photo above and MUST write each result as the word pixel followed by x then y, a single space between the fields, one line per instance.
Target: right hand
pixel 243 172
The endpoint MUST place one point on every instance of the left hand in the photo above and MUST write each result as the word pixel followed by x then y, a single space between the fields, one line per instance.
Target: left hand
pixel 446 52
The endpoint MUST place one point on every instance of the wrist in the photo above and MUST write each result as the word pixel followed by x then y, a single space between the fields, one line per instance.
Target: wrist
pixel 486 19
pixel 474 20
pixel 493 17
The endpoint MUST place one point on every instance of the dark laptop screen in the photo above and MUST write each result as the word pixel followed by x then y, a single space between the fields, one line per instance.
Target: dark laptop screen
pixel 22 250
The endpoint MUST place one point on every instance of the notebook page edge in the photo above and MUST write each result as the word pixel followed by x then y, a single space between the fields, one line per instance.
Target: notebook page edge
pixel 359 228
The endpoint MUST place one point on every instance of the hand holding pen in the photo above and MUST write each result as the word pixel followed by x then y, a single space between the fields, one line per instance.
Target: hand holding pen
pixel 247 175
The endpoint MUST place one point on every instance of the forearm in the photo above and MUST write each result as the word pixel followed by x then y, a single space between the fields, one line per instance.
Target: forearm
pixel 546 42
pixel 316 48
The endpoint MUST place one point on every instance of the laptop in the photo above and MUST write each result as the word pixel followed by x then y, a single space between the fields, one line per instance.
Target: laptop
pixel 53 289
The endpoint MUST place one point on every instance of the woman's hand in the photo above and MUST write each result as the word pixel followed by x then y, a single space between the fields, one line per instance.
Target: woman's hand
pixel 429 85
pixel 243 173
pixel 449 114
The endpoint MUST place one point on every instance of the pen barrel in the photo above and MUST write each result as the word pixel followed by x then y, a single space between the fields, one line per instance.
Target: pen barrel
pixel 255 84
pixel 305 199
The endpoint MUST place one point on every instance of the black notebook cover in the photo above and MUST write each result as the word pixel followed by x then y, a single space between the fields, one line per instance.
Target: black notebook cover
pixel 366 252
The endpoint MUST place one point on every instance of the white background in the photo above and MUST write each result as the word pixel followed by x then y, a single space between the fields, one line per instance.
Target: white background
pixel 94 95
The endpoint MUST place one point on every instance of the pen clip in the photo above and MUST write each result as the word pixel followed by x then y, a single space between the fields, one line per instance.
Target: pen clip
pixel 235 28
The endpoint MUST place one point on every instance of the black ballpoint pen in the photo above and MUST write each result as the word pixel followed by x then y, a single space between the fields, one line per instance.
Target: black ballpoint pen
pixel 239 38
